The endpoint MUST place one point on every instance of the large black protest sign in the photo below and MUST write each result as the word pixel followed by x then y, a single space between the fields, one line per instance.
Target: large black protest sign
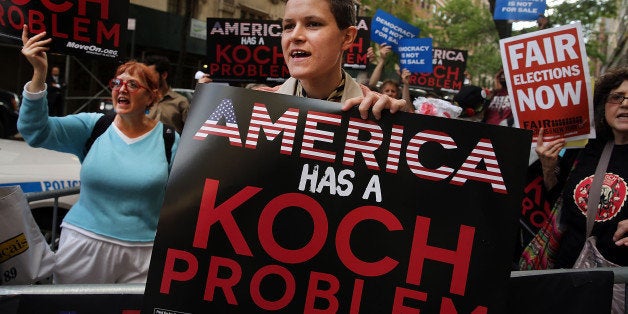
pixel 245 50
pixel 356 56
pixel 448 72
pixel 287 204
pixel 79 28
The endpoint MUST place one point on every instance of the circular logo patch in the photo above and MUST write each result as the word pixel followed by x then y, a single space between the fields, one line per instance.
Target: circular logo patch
pixel 611 200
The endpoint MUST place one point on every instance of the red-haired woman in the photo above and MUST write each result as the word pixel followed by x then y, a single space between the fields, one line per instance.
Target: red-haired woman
pixel 107 236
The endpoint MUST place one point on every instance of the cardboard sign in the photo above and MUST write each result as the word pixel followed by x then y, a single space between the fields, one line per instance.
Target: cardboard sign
pixel 79 28
pixel 415 54
pixel 245 51
pixel 547 74
pixel 447 74
pixel 355 57
pixel 519 10
pixel 388 29
pixel 288 204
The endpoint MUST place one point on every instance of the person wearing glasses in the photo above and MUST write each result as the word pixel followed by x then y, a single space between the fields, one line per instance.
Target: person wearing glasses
pixel 610 99
pixel 107 236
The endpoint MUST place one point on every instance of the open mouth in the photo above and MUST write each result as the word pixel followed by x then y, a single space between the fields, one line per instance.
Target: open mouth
pixel 123 100
pixel 299 54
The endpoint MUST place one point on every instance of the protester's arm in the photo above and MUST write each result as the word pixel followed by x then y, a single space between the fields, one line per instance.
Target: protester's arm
pixel 66 134
pixel 384 50
pixel 34 49
pixel 548 155
pixel 405 89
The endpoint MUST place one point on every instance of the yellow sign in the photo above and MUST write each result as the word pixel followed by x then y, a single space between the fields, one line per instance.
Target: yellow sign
pixel 13 247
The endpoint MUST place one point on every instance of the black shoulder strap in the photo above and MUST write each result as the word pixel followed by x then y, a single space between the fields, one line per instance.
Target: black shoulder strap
pixel 168 141
pixel 105 121
pixel 99 128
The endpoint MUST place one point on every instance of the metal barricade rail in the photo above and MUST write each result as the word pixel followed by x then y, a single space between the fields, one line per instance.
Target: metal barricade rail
pixel 54 194
pixel 620 274
pixel 128 298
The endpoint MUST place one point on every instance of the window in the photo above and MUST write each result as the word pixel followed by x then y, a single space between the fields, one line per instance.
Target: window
pixel 250 14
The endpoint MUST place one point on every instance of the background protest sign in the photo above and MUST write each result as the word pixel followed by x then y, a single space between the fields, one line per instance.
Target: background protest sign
pixel 447 73
pixel 289 204
pixel 245 51
pixel 355 57
pixel 79 28
pixel 519 10
pixel 415 54
pixel 547 74
pixel 388 29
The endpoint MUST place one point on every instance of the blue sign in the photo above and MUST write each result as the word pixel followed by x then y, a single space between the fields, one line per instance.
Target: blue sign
pixel 519 10
pixel 387 29
pixel 416 54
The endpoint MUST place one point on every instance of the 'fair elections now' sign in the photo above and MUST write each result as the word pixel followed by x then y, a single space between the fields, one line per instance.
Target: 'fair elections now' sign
pixel 415 54
pixel 291 205
pixel 388 29
pixel 519 10
pixel 547 74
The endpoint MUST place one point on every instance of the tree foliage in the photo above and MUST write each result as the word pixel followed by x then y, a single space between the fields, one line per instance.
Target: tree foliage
pixel 460 24
pixel 588 13
pixel 465 25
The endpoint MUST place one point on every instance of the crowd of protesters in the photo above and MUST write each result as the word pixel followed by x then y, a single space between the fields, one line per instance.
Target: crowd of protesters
pixel 107 237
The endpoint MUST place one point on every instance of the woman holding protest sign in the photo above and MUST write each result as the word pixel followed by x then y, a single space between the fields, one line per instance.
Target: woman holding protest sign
pixel 610 101
pixel 108 234
pixel 314 38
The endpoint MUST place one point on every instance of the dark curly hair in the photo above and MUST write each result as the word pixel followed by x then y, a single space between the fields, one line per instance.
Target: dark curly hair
pixel 609 81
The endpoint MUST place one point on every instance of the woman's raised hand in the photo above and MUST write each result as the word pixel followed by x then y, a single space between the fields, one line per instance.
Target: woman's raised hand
pixel 34 49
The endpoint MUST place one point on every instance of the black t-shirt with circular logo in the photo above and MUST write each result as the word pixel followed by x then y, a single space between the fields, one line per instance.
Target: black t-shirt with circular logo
pixel 611 211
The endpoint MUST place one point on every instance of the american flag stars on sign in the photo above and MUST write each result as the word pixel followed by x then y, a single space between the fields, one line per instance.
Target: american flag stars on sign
pixel 230 129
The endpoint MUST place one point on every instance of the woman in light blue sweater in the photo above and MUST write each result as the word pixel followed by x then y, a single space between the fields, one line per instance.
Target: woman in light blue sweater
pixel 108 234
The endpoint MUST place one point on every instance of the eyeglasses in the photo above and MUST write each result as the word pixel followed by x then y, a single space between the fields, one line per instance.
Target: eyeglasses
pixel 131 85
pixel 615 98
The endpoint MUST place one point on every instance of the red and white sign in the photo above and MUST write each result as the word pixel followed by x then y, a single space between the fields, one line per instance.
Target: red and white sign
pixel 548 81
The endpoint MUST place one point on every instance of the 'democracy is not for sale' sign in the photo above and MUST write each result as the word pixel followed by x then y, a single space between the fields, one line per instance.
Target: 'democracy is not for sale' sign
pixel 287 204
